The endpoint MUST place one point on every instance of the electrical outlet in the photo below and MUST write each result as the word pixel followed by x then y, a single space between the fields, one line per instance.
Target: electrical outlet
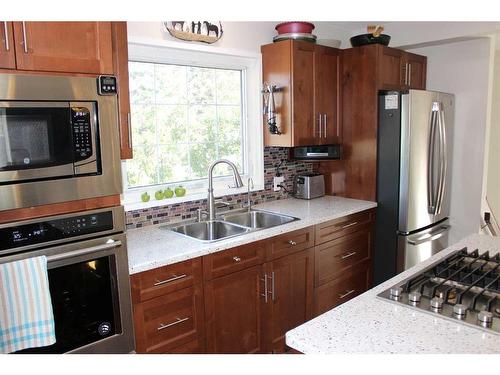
pixel 278 181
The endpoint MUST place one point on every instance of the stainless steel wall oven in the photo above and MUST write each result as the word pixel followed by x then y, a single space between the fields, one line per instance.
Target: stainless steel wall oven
pixel 88 277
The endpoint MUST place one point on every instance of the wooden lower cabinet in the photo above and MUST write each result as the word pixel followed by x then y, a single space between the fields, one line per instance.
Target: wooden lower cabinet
pixel 350 284
pixel 291 296
pixel 234 312
pixel 164 323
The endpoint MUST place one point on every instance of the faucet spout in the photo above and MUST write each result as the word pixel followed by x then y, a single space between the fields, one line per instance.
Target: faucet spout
pixel 210 199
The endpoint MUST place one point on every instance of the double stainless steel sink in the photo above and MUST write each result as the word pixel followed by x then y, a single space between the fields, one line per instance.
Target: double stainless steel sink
pixel 231 224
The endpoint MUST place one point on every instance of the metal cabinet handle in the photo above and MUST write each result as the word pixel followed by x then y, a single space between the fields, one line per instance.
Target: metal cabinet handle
pixel 129 126
pixel 272 286
pixel 348 255
pixel 158 282
pixel 349 225
pixel 265 288
pixel 6 32
pixel 25 39
pixel 320 124
pixel 406 73
pixel 342 296
pixel 237 259
pixel 177 321
pixel 409 74
pixel 325 122
pixel 293 243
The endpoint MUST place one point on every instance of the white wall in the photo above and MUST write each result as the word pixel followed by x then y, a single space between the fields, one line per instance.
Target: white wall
pixel 463 69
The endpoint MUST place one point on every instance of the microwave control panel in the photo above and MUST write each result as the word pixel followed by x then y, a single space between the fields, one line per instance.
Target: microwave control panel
pixel 82 137
pixel 107 85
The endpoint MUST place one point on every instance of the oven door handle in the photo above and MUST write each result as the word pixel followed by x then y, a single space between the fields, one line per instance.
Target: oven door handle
pixel 88 250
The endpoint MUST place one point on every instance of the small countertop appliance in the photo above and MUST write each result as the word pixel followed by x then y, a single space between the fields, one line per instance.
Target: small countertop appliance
pixel 309 186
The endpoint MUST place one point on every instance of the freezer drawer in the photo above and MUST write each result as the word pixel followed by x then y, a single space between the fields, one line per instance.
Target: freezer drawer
pixel 417 247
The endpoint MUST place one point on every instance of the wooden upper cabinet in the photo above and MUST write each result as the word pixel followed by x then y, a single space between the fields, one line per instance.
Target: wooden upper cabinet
pixel 326 95
pixel 390 65
pixel 75 47
pixel 417 69
pixel 234 312
pixel 307 106
pixel 7 52
pixel 120 68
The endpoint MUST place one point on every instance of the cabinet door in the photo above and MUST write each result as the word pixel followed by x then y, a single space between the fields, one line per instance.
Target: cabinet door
pixel 391 68
pixel 291 292
pixel 303 128
pixel 417 67
pixel 234 309
pixel 326 120
pixel 7 54
pixel 76 47
pixel 120 67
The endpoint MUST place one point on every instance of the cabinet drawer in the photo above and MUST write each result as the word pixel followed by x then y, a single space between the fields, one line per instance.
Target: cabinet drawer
pixel 232 260
pixel 334 257
pixel 192 347
pixel 352 283
pixel 167 279
pixel 291 242
pixel 169 321
pixel 340 227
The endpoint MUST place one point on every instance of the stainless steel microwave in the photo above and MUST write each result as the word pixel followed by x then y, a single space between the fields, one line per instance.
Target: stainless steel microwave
pixel 58 140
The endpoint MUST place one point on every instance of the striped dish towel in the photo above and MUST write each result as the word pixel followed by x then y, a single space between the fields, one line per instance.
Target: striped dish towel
pixel 26 318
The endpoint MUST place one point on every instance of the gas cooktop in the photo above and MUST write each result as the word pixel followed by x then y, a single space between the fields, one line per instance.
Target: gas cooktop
pixel 463 287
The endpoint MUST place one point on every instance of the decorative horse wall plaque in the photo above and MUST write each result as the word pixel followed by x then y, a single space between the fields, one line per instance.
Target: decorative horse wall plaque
pixel 195 31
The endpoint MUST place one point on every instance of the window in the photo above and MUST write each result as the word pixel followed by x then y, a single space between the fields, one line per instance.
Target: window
pixel 190 108
pixel 184 118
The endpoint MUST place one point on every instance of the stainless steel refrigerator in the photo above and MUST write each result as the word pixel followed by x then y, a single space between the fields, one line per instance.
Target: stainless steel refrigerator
pixel 414 152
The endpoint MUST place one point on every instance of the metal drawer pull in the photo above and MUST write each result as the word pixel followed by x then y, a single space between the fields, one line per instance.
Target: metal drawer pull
pixel 345 256
pixel 341 296
pixel 169 280
pixel 293 243
pixel 178 321
pixel 25 40
pixel 6 31
pixel 237 259
pixel 349 225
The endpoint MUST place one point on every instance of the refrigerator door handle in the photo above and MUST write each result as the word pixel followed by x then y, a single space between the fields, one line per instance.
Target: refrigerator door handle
pixel 443 162
pixel 432 236
pixel 431 188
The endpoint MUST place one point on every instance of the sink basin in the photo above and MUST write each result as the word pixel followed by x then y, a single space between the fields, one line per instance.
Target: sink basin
pixel 210 231
pixel 258 219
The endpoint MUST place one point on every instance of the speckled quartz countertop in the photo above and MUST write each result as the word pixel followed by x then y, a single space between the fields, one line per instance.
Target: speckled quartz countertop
pixel 367 324
pixel 151 247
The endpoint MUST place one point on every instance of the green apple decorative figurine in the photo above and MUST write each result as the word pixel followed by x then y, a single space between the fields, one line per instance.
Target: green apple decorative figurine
pixel 168 193
pixel 159 195
pixel 180 191
pixel 145 197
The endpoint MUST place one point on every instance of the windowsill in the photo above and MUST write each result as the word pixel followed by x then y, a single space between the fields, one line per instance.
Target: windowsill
pixel 194 196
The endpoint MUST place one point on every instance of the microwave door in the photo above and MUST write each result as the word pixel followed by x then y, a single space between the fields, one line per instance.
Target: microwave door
pixel 34 141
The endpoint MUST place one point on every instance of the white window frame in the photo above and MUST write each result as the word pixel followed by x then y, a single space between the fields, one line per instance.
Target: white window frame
pixel 250 65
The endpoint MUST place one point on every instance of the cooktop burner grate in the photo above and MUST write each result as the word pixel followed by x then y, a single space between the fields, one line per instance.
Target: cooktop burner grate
pixel 465 287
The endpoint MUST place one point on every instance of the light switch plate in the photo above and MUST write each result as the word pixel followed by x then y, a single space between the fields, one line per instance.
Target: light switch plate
pixel 278 181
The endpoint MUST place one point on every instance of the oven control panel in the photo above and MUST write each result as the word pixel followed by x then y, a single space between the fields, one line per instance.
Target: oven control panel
pixel 82 135
pixel 52 230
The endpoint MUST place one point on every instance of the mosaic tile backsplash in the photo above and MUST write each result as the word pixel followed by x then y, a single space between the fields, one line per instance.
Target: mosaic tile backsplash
pixel 187 210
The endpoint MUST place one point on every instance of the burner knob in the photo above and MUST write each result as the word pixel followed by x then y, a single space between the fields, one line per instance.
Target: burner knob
pixel 437 303
pixel 414 297
pixel 459 311
pixel 485 318
pixel 396 291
